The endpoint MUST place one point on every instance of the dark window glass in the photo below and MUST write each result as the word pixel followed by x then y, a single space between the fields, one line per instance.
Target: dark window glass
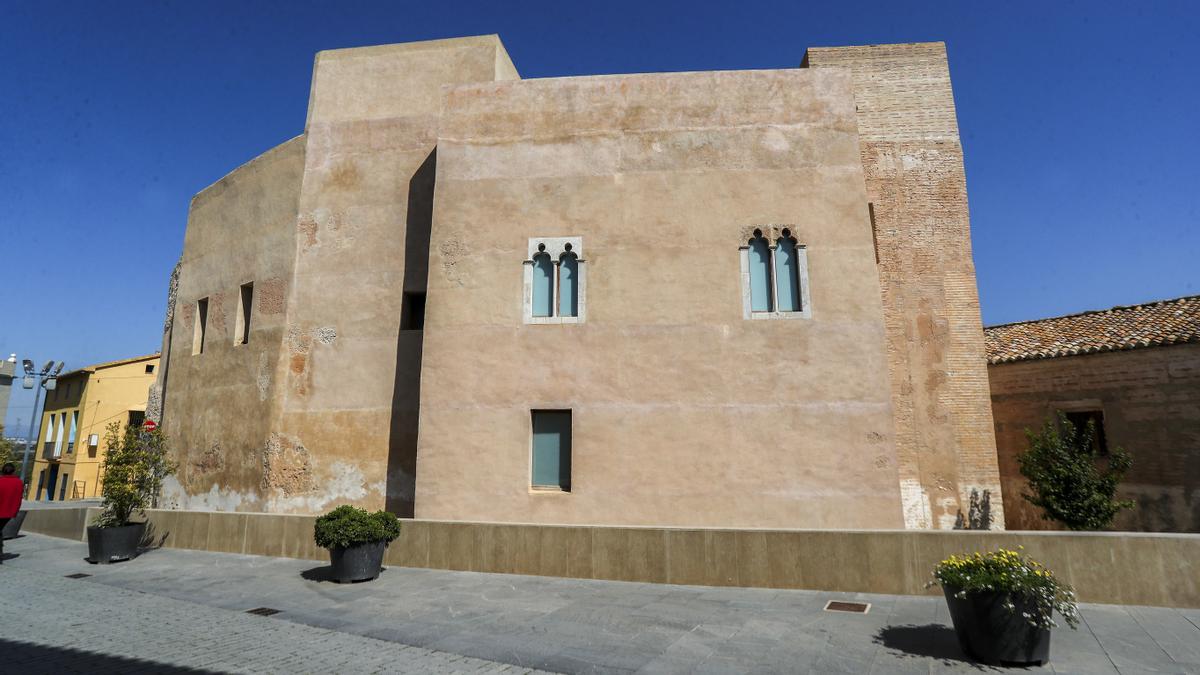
pixel 412 313
pixel 1079 420
pixel 552 449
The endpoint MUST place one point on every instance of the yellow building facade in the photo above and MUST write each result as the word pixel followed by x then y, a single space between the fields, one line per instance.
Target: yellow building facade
pixel 71 445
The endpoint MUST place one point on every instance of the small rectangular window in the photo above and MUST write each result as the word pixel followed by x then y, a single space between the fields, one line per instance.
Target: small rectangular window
pixel 48 443
pixel 874 231
pixel 149 368
pixel 201 326
pixel 245 307
pixel 412 312
pixel 1079 420
pixel 71 433
pixel 552 450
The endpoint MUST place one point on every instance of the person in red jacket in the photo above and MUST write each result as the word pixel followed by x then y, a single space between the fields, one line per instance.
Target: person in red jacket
pixel 11 489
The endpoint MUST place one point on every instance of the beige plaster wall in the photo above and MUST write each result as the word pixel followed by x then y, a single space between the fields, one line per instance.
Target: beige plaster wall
pixel 1151 403
pixel 220 404
pixel 351 393
pixel 683 412
pixel 912 160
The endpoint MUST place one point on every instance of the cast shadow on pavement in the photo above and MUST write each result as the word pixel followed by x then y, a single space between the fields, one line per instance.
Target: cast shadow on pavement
pixel 931 641
pixel 27 657
pixel 322 573
pixel 325 573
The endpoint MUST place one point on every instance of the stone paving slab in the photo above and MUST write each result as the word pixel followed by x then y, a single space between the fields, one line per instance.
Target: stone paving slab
pixel 427 618
pixel 56 625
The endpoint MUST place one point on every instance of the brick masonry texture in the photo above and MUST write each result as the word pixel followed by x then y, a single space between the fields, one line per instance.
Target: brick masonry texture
pixel 1151 403
pixel 912 160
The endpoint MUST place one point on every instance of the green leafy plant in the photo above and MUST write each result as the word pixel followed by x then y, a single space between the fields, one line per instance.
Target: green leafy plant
pixel 135 465
pixel 1014 574
pixel 348 525
pixel 1065 477
pixel 7 453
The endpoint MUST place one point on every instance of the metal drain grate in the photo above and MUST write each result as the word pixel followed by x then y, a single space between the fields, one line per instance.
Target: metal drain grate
pixel 262 611
pixel 78 575
pixel 840 606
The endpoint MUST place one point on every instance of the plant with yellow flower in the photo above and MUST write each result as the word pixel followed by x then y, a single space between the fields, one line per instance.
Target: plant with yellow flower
pixel 1003 603
pixel 1021 579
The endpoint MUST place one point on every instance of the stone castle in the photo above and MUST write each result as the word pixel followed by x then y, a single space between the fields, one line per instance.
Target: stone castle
pixel 729 299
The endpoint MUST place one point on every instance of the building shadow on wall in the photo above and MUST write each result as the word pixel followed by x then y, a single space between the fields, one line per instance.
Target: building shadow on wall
pixel 406 392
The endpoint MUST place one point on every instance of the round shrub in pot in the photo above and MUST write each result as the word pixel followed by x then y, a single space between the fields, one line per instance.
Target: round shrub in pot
pixel 1002 605
pixel 356 541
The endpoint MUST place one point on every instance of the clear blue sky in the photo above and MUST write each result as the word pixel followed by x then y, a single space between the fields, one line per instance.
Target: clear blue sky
pixel 1080 120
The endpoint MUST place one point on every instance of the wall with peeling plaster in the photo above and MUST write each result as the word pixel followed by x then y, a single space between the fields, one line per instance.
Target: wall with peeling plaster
pixel 912 161
pixel 866 415
pixel 220 407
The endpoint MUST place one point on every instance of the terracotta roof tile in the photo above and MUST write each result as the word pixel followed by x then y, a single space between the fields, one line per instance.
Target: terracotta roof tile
pixel 1152 324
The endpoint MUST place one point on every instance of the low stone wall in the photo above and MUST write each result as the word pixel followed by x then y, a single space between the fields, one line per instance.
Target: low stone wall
pixel 1106 567
pixel 65 523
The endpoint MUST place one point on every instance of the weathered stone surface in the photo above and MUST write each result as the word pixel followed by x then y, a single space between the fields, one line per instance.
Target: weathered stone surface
pixel 684 413
pixel 912 160
pixel 867 412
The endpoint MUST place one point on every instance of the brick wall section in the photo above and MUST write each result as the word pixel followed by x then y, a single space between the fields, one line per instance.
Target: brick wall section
pixel 913 164
pixel 1151 403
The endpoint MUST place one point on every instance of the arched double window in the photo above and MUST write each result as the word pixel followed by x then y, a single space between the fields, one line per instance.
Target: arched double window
pixel 775 276
pixel 554 281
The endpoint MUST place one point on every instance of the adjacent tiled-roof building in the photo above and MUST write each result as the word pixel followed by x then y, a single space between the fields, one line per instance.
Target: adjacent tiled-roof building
pixel 1145 401
pixel 1152 324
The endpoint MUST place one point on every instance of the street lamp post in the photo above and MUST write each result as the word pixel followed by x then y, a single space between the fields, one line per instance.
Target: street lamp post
pixel 48 381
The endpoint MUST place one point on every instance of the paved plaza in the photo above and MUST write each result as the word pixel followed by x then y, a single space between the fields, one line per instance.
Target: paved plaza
pixel 185 611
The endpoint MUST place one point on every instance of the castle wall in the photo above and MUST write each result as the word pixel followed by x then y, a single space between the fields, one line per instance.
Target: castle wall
pixel 913 163
pixel 1151 404
pixel 221 403
pixel 870 411
pixel 351 392
pixel 683 412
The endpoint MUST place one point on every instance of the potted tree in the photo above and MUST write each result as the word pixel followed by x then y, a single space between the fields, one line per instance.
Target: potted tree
pixel 1002 605
pixel 135 465
pixel 356 541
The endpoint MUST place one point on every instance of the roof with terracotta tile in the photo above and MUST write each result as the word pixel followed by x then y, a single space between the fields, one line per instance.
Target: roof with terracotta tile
pixel 1153 324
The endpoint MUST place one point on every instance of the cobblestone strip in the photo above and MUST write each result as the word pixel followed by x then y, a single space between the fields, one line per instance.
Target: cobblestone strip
pixel 54 624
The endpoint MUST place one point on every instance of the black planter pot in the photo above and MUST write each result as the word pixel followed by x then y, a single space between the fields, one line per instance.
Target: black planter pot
pixel 114 544
pixel 13 528
pixel 360 562
pixel 994 635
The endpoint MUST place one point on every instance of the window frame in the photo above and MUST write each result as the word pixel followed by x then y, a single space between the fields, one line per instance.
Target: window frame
pixel 559 488
pixel 556 248
pixel 773 234
pixel 200 326
pixel 1090 407
pixel 245 314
